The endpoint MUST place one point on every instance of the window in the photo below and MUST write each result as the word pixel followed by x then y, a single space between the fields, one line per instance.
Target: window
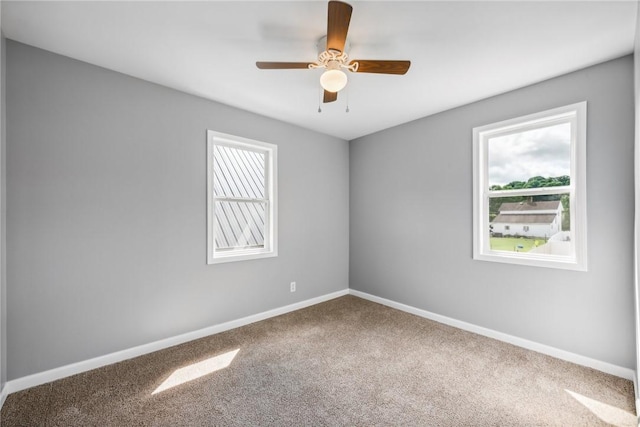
pixel 530 189
pixel 241 198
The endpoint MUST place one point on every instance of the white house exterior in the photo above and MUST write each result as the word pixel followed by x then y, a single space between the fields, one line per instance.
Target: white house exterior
pixel 528 219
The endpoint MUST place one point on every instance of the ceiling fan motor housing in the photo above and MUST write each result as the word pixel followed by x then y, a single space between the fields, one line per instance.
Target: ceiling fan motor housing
pixel 333 65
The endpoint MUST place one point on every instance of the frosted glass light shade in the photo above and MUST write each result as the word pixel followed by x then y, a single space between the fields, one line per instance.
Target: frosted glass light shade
pixel 333 80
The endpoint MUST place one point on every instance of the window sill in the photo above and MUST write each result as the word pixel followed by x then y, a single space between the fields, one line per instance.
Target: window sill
pixel 233 256
pixel 560 262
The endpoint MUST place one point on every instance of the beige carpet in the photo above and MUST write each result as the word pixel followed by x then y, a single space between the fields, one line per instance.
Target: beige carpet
pixel 346 362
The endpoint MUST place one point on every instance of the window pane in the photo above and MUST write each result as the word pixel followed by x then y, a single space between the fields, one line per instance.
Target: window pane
pixel 538 224
pixel 531 159
pixel 238 173
pixel 239 225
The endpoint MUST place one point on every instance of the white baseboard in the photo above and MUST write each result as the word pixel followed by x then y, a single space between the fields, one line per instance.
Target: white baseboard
pixel 606 367
pixel 87 365
pixel 3 396
pixel 635 390
pixel 97 362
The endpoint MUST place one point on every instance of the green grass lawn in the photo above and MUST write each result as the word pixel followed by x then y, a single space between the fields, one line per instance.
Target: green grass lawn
pixel 511 244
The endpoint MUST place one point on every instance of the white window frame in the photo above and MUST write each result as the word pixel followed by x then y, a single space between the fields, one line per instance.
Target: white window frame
pixel 576 114
pixel 270 152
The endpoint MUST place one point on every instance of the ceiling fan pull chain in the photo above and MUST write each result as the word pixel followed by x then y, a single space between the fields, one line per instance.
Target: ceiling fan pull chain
pixel 347 93
pixel 320 101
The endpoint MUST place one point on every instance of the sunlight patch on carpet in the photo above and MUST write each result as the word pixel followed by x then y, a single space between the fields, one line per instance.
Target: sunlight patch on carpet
pixel 607 413
pixel 197 370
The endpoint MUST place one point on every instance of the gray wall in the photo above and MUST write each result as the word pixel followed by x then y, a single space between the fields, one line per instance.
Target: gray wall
pixel 411 222
pixel 106 244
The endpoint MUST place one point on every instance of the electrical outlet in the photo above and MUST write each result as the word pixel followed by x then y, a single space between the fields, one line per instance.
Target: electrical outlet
pixel 293 286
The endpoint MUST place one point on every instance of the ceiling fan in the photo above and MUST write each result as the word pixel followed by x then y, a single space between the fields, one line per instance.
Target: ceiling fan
pixel 333 57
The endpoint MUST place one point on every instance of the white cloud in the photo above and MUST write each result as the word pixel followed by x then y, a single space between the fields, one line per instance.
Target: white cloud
pixel 540 152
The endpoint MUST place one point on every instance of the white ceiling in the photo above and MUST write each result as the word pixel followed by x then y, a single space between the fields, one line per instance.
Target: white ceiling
pixel 460 52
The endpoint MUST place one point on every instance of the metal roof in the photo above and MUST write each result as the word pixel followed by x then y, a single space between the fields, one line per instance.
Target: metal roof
pixel 239 178
pixel 530 206
pixel 524 218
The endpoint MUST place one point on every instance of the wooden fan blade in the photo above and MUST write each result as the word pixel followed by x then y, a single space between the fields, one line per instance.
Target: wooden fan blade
pixel 338 24
pixel 281 65
pixel 330 96
pixel 382 67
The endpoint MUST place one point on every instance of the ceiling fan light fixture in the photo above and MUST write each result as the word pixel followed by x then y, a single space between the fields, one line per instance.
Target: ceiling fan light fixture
pixel 333 59
pixel 333 80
